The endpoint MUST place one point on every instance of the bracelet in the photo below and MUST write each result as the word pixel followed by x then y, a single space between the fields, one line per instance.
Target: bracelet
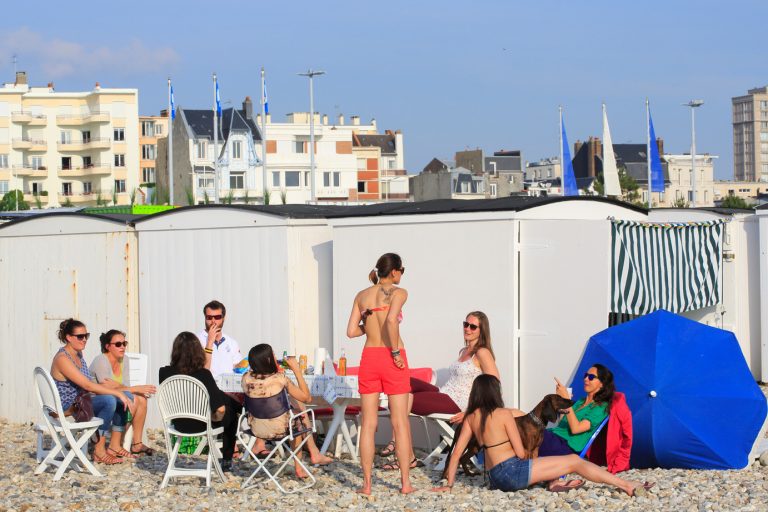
pixel 208 350
pixel 396 353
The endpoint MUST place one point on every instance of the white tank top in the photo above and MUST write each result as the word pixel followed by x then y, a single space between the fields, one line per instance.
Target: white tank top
pixel 462 375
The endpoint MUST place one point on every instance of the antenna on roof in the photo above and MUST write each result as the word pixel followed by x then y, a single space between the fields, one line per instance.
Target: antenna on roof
pixel 15 60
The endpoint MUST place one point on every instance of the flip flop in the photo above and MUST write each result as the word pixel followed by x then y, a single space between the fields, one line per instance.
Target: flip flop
pixel 394 466
pixel 388 450
pixel 566 487
pixel 143 450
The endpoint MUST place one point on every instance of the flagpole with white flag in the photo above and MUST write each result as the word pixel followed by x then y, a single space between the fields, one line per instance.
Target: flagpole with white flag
pixel 264 112
pixel 216 107
pixel 171 117
pixel 611 185
pixel 562 165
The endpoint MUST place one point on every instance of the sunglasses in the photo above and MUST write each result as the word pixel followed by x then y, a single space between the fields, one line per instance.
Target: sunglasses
pixel 401 270
pixel 471 327
pixel 214 317
pixel 82 337
pixel 590 376
pixel 120 344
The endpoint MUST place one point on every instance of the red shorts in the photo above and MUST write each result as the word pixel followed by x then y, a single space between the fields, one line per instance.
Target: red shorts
pixel 378 373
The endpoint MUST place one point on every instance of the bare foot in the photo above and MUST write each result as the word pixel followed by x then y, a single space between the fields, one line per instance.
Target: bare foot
pixel 300 472
pixel 637 488
pixel 407 490
pixel 320 459
pixel 365 490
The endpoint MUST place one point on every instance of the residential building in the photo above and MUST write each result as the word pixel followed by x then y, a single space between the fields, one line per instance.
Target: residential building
pixel 750 135
pixel 381 173
pixel 69 148
pixel 677 186
pixel 441 180
pixel 503 169
pixel 750 191
pixel 544 169
pixel 151 128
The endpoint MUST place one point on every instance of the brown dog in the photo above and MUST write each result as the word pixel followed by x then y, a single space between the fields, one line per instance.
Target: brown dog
pixel 531 427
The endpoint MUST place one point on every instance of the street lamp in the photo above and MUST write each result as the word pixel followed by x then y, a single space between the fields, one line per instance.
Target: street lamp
pixel 311 74
pixel 693 104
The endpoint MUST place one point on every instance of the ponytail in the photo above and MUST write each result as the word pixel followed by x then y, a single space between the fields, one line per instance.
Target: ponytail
pixel 384 266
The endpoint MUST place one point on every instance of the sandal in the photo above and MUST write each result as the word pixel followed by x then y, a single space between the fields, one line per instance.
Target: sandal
pixel 388 450
pixel 143 449
pixel 567 486
pixel 120 453
pixel 394 466
pixel 106 459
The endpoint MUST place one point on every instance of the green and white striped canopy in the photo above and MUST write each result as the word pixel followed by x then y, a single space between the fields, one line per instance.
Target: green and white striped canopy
pixel 672 266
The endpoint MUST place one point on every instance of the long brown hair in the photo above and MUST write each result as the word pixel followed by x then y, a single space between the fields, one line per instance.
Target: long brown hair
pixel 67 327
pixel 484 341
pixel 605 395
pixel 187 354
pixel 384 266
pixel 485 397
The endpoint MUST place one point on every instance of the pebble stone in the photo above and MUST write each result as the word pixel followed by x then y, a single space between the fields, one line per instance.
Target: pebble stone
pixel 134 486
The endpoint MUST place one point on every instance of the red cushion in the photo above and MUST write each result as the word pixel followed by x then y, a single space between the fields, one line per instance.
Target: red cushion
pixel 424 374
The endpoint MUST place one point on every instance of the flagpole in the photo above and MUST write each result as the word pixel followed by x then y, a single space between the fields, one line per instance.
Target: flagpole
pixel 215 144
pixel 562 164
pixel 263 136
pixel 170 142
pixel 648 149
pixel 605 181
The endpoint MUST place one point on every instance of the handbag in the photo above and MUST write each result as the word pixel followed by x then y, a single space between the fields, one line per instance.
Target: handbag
pixel 82 407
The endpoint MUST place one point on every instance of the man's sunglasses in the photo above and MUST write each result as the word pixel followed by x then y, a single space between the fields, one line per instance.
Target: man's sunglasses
pixel 121 344
pixel 471 327
pixel 82 337
pixel 214 317
pixel 590 376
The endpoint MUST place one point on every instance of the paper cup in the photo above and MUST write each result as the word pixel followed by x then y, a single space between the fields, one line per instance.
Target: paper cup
pixel 570 392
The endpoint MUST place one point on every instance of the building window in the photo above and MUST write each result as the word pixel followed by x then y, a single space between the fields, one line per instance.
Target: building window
pixel 86 136
pixel 148 151
pixel 87 163
pixel 201 149
pixel 362 164
pixel 292 178
pixel 391 164
pixel 87 187
pixel 236 181
pixel 3 161
pixel 37 163
pixel 158 130
pixel 361 186
pixel 120 186
pixel 148 174
pixel 307 179
pixel 37 188
pixel 66 137
pixel 119 160
pixel 690 196
pixel 205 182
pixel 331 178
pixel 299 146
pixel 493 190
pixel 66 163
pixel 118 134
pixel 66 188
pixel 147 128
pixel 237 150
pixel 276 179
pixel 706 196
pixel 3 186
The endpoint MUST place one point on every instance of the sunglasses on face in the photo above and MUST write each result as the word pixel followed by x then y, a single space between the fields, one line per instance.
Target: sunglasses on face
pixel 214 317
pixel 401 270
pixel 82 337
pixel 471 327
pixel 590 376
pixel 121 344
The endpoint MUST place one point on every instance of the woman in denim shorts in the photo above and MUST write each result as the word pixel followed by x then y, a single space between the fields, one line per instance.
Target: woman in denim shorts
pixel 494 428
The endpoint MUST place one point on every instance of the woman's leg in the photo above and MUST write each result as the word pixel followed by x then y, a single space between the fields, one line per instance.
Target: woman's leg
pixel 398 406
pixel 139 417
pixel 370 418
pixel 103 407
pixel 549 468
pixel 119 422
pixel 417 386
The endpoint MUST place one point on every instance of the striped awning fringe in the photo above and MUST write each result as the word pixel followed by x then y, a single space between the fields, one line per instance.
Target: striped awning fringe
pixel 673 266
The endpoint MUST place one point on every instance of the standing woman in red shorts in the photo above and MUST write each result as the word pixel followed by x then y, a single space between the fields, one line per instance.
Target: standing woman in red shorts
pixel 377 313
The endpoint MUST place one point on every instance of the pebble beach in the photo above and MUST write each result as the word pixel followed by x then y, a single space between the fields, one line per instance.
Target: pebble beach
pixel 135 486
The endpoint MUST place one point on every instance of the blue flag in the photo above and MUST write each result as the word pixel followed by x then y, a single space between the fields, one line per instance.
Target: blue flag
pixel 569 179
pixel 657 173
pixel 264 99
pixel 173 106
pixel 218 99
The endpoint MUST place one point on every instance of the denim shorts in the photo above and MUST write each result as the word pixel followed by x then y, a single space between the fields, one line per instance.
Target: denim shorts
pixel 511 475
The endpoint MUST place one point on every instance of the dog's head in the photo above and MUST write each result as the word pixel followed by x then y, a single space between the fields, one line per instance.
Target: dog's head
pixel 551 407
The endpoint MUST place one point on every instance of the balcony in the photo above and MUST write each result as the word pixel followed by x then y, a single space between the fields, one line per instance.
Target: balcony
pixel 88 170
pixel 32 198
pixel 81 119
pixel 30 144
pixel 335 192
pixel 84 145
pixel 39 171
pixel 29 118
pixel 89 197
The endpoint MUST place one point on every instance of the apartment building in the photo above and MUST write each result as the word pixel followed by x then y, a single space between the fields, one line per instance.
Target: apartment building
pixel 444 180
pixel 750 135
pixel 678 187
pixel 750 191
pixel 151 128
pixel 68 148
pixel 503 169
pixel 381 173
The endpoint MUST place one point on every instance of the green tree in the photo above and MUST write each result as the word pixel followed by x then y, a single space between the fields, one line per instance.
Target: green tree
pixel 38 202
pixel 67 202
pixel 206 199
pixel 229 197
pixel 11 199
pixel 731 201
pixel 283 195
pixel 100 201
pixel 246 197
pixel 190 196
pixel 680 202
pixel 266 197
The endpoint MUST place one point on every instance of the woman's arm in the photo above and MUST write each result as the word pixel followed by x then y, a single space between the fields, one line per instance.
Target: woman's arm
pixel 458 450
pixel 576 426
pixel 70 372
pixel 354 327
pixel 510 425
pixel 300 393
pixel 487 362
pixel 392 324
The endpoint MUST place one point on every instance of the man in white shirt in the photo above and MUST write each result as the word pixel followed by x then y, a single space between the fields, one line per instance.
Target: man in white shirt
pixel 222 352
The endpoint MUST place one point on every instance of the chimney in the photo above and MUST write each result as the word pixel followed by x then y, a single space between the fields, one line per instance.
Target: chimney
pixel 21 78
pixel 356 120
pixel 97 86
pixel 325 118
pixel 341 120
pixel 269 118
pixel 50 85
pixel 258 119
pixel 248 108
pixel 373 122
pixel 164 112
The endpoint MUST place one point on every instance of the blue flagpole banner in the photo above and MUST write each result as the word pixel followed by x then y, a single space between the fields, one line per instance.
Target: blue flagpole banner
pixel 672 266
pixel 657 173
pixel 569 178
pixel 265 99
pixel 173 105
pixel 218 99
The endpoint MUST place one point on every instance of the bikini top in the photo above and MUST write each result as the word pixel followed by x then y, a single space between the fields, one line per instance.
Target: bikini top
pixel 483 447
pixel 365 313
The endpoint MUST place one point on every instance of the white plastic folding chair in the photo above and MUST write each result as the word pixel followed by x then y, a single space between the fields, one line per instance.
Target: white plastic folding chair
pixel 69 438
pixel 446 433
pixel 137 375
pixel 271 407
pixel 180 397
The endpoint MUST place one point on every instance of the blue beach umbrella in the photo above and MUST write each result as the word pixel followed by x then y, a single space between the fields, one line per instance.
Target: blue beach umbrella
pixel 694 402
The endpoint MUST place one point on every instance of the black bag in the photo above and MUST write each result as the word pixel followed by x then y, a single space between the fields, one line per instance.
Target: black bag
pixel 82 407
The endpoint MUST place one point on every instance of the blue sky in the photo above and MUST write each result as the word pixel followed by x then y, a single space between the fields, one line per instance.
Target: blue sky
pixel 450 75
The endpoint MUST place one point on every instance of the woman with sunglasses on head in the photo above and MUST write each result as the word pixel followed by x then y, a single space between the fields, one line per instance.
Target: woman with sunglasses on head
pixel 495 429
pixel 377 313
pixel 110 369
pixel 572 434
pixel 475 358
pixel 73 378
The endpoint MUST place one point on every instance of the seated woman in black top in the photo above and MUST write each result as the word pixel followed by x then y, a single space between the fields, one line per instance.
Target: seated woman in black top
pixel 188 358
